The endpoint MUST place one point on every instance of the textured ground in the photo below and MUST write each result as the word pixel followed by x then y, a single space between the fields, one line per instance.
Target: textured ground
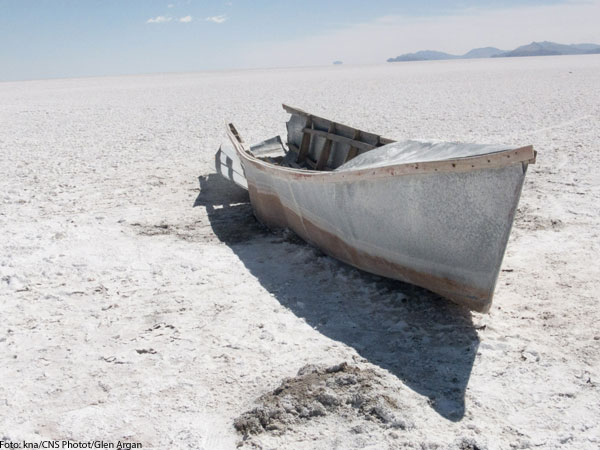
pixel 140 300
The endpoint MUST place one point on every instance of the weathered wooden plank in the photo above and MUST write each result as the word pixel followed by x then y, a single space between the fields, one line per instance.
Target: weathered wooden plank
pixel 306 163
pixel 353 150
pixel 234 131
pixel 305 144
pixel 351 154
pixel 310 163
pixel 290 161
pixel 326 151
pixel 235 138
pixel 381 140
pixel 344 140
pixel 293 148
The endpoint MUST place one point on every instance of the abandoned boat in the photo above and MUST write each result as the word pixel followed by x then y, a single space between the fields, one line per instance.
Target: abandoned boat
pixel 434 214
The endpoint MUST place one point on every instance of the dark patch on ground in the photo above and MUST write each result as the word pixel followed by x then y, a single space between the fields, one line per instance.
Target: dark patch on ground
pixel 344 390
pixel 526 219
pixel 241 227
pixel 230 217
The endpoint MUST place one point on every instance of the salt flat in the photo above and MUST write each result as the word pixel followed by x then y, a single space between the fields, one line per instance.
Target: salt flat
pixel 141 301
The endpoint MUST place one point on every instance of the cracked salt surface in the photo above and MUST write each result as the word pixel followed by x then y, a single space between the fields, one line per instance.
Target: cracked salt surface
pixel 141 301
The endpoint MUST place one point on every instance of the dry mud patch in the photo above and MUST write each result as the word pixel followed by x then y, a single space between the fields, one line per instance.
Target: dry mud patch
pixel 347 391
pixel 359 398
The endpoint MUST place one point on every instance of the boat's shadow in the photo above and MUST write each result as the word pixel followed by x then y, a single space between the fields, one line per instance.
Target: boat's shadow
pixel 427 342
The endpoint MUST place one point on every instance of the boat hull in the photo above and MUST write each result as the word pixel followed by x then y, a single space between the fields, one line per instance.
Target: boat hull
pixel 444 231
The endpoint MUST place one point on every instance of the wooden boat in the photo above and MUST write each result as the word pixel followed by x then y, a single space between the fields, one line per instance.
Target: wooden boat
pixel 434 214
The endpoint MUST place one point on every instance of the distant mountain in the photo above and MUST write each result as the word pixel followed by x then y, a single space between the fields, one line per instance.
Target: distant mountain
pixel 534 49
pixel 485 52
pixel 587 47
pixel 423 55
pixel 430 55
pixel 550 48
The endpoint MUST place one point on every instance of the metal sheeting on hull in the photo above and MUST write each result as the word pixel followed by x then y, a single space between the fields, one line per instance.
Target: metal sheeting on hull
pixel 446 232
pixel 227 163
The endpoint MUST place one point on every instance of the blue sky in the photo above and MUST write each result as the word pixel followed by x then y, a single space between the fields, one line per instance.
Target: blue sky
pixel 70 38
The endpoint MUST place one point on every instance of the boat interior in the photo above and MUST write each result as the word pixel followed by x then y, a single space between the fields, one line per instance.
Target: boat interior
pixel 318 144
pixel 313 143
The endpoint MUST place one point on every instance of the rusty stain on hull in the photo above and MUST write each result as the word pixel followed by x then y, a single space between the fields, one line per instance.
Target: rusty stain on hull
pixel 270 211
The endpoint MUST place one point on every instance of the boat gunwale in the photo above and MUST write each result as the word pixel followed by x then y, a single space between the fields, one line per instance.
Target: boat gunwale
pixel 493 160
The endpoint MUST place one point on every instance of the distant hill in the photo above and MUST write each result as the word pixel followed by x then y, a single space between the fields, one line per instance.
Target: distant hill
pixel 534 49
pixel 550 48
pixel 430 55
pixel 588 48
pixel 423 55
pixel 485 52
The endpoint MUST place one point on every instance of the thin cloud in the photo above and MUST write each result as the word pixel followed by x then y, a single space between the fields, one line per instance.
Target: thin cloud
pixel 159 19
pixel 186 19
pixel 217 19
pixel 170 5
